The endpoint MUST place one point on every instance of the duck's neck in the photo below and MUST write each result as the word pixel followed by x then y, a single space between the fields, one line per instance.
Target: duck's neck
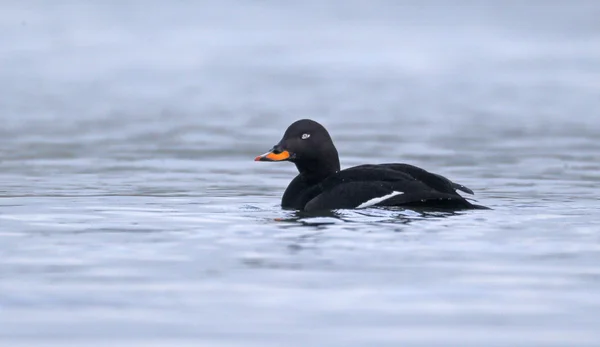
pixel 317 170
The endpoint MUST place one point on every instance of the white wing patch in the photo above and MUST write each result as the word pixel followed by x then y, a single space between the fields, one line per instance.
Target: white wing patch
pixel 375 201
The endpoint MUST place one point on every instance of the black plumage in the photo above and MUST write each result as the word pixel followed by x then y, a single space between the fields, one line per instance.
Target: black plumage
pixel 321 185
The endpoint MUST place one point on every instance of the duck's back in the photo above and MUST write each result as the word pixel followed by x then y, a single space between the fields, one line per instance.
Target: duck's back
pixel 382 185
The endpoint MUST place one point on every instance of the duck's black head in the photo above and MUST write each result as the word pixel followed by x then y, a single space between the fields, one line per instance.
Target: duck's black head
pixel 307 144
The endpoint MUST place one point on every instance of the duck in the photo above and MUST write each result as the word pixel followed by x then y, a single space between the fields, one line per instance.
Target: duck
pixel 321 185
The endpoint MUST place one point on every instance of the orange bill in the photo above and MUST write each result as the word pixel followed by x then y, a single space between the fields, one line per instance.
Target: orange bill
pixel 270 156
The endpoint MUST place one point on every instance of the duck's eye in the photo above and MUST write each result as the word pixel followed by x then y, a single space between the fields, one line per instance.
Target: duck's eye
pixel 305 136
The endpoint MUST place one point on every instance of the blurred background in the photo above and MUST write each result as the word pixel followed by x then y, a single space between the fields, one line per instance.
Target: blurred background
pixel 131 209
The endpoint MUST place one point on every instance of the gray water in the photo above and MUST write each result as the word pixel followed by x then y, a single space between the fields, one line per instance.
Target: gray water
pixel 132 212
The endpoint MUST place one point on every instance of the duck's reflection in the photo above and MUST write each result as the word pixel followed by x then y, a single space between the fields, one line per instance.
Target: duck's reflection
pixel 337 230
pixel 394 215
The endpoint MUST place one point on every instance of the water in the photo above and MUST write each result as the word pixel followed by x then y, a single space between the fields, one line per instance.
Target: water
pixel 131 211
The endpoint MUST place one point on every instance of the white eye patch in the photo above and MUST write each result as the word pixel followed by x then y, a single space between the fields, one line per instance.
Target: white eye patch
pixel 305 136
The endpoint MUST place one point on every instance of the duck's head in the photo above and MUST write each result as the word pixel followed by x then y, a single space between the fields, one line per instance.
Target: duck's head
pixel 307 144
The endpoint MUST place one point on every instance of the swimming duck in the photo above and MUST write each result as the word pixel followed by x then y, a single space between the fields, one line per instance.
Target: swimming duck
pixel 321 185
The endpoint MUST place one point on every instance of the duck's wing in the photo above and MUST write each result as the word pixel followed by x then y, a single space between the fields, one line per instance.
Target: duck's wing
pixel 384 185
pixel 435 181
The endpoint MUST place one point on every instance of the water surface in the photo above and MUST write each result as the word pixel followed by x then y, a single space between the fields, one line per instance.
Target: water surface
pixel 131 210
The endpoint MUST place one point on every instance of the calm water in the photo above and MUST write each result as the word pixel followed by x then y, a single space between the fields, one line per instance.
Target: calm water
pixel 131 211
